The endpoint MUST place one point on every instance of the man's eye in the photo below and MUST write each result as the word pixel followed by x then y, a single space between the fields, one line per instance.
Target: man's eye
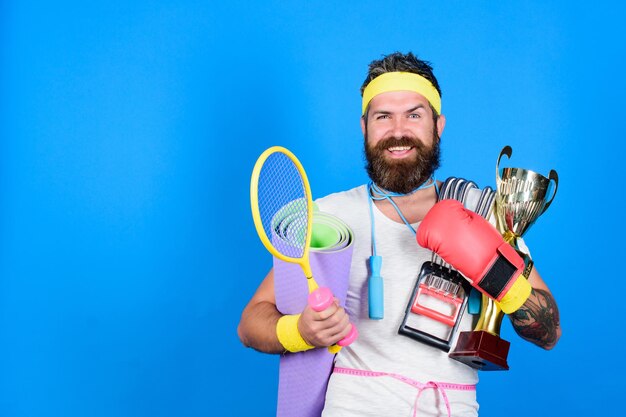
pixel 414 116
pixel 382 116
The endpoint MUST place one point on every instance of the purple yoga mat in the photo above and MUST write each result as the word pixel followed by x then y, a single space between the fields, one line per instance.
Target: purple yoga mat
pixel 304 375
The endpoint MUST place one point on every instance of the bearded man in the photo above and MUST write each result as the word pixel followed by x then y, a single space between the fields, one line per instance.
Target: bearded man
pixel 383 373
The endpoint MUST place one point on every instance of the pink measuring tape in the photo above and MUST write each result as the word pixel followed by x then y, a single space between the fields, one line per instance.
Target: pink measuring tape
pixel 438 386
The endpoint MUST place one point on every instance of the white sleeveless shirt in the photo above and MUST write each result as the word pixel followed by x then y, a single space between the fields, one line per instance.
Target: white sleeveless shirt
pixel 379 347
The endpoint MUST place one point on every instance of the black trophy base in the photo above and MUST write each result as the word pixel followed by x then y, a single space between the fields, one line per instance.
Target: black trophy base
pixel 482 350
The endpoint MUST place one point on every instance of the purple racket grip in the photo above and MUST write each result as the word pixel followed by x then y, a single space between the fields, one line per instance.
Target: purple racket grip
pixel 320 300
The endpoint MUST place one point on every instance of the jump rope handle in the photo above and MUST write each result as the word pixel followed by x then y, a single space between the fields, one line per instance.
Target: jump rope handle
pixel 320 300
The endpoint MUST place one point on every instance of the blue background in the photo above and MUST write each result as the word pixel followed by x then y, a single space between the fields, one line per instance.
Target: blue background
pixel 128 133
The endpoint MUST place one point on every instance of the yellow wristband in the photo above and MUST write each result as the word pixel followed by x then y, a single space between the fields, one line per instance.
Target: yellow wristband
pixel 289 335
pixel 516 296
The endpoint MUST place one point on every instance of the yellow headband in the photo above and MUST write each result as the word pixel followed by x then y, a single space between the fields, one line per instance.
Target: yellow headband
pixel 401 81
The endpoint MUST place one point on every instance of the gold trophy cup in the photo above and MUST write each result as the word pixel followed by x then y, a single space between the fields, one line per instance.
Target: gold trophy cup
pixel 521 197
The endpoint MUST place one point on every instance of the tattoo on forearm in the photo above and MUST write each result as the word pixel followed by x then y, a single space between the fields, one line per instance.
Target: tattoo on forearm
pixel 538 319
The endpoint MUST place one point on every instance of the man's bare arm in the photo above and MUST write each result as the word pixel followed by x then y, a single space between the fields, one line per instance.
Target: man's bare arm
pixel 538 319
pixel 257 327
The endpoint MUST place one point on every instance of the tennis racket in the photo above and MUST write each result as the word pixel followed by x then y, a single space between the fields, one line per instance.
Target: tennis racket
pixel 282 209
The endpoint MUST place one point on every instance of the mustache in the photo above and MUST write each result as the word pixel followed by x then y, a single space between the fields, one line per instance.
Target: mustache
pixel 399 141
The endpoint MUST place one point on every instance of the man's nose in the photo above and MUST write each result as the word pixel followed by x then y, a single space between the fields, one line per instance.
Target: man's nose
pixel 399 127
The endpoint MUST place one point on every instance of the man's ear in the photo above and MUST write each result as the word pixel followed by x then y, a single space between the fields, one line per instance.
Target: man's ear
pixel 441 123
pixel 363 126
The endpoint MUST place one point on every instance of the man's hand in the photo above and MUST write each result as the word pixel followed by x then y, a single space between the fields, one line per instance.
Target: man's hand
pixel 326 327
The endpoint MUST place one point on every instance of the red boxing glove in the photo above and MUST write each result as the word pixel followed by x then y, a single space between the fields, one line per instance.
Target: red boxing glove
pixel 472 245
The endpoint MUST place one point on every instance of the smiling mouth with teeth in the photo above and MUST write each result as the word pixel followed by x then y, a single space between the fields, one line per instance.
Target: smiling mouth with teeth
pixel 399 150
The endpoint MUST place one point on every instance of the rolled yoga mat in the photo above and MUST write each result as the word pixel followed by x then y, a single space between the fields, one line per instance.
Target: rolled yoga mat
pixel 303 376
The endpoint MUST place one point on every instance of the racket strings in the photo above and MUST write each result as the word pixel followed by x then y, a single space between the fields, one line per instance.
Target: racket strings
pixel 283 205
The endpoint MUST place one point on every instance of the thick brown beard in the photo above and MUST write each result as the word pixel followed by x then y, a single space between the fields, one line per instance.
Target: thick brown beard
pixel 402 176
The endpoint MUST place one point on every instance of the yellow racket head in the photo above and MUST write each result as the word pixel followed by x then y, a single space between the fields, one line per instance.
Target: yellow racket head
pixel 282 207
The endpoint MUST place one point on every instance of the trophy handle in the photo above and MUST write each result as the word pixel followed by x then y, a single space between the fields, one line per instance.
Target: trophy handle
pixel 508 151
pixel 555 177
